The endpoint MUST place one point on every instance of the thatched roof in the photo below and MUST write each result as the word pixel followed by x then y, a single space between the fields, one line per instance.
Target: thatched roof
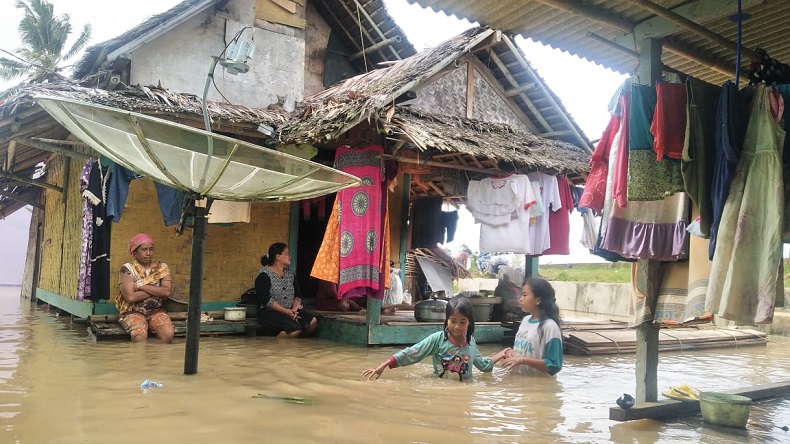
pixel 440 134
pixel 150 100
pixel 328 114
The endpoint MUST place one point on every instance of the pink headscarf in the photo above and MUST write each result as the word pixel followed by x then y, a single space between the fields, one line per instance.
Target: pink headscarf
pixel 138 240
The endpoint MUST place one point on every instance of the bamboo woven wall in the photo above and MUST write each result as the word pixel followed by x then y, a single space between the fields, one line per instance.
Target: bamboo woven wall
pixel 232 252
pixel 61 242
pixel 444 94
pixel 488 106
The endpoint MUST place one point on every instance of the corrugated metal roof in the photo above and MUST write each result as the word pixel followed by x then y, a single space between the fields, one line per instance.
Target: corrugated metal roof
pixel 566 25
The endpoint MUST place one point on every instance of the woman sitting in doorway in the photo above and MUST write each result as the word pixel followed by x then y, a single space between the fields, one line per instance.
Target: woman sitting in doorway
pixel 280 304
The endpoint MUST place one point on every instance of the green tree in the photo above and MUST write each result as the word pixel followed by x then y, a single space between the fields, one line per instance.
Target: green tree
pixel 43 36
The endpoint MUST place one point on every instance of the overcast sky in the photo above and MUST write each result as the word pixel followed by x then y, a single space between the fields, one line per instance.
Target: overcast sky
pixel 584 96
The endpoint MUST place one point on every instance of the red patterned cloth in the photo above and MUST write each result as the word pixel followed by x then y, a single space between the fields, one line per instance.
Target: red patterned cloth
pixel 361 221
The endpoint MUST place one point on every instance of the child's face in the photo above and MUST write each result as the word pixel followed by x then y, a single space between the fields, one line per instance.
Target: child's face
pixel 529 303
pixel 457 325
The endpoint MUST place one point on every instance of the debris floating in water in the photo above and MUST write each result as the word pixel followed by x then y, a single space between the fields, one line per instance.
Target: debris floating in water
pixel 291 399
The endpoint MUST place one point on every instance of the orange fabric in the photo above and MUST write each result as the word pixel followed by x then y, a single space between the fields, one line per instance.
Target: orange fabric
pixel 385 249
pixel 138 325
pixel 157 272
pixel 327 262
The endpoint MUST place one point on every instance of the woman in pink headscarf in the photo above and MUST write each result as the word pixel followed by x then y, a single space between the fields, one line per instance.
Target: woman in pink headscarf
pixel 145 284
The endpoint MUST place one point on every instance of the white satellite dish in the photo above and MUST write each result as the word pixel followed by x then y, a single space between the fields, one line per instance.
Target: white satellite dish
pixel 176 154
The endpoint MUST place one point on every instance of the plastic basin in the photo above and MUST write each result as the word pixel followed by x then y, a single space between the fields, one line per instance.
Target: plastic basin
pixel 724 409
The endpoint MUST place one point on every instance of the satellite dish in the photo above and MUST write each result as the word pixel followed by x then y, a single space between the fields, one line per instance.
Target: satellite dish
pixel 176 154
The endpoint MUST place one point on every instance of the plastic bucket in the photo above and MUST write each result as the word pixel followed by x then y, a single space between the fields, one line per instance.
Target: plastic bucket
pixel 724 409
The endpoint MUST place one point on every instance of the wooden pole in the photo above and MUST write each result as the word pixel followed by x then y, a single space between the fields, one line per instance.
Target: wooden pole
pixel 24 199
pixel 689 25
pixel 591 12
pixel 649 271
pixel 195 291
pixel 51 147
pixel 716 65
pixel 37 183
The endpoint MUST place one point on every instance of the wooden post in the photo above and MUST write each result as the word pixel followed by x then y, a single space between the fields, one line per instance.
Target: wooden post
pixel 37 253
pixel 293 235
pixel 649 271
pixel 530 266
pixel 404 227
pixel 195 291
pixel 648 282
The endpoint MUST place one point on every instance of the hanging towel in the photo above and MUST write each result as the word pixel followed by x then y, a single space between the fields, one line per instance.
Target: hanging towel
pixel 225 212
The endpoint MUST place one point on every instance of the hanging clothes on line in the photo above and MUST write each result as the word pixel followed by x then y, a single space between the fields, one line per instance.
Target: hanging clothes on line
pixel 699 148
pixel 746 281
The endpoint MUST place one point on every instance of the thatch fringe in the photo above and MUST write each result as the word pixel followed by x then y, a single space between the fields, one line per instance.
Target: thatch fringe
pixel 434 133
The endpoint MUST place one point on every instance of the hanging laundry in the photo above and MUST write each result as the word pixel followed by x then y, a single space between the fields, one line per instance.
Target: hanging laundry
pixel 784 90
pixel 361 215
pixel 559 221
pixel 494 200
pixel 98 185
pixel 595 187
pixel 326 266
pixel 89 201
pixel 514 236
pixel 171 203
pixel 449 223
pixel 684 286
pixel 746 281
pixel 426 229
pixel 699 148
pixel 118 190
pixel 589 230
pixel 669 121
pixel 540 236
pixel 730 131
pixel 619 176
pixel 648 179
pixel 226 212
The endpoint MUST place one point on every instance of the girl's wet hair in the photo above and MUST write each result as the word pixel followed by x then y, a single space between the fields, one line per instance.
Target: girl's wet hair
pixel 462 305
pixel 275 249
pixel 547 308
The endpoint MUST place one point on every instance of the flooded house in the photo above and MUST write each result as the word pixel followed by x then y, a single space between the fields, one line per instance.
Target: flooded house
pixel 322 76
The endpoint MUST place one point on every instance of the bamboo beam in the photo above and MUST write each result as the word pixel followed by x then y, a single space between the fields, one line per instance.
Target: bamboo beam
pixel 612 45
pixel 592 12
pixel 691 26
pixel 440 164
pixel 376 47
pixel 9 160
pixel 520 90
pixel 546 93
pixel 52 147
pixel 37 183
pixel 716 65
pixel 24 199
pixel 514 83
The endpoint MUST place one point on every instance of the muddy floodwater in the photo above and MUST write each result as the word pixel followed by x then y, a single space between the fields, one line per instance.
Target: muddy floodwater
pixel 58 387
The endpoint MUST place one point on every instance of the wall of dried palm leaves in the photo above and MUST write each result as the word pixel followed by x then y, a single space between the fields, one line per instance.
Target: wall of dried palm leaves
pixel 61 241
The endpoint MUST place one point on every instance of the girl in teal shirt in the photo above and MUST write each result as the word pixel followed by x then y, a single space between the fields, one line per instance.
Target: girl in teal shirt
pixel 453 350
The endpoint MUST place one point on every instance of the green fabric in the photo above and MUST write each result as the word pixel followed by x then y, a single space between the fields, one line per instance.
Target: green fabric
pixel 649 179
pixel 437 345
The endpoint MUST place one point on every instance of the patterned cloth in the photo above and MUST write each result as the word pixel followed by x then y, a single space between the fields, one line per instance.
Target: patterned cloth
pixel 136 273
pixel 88 202
pixel 448 357
pixel 595 187
pixel 138 324
pixel 361 221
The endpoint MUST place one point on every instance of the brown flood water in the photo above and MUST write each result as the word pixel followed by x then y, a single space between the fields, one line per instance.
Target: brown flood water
pixel 58 387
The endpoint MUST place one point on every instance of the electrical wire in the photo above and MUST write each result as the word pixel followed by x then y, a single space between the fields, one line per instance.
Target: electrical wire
pixel 362 38
pixel 35 65
pixel 738 55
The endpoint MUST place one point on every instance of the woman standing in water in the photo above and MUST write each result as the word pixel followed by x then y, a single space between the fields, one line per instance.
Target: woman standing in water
pixel 280 304
pixel 537 349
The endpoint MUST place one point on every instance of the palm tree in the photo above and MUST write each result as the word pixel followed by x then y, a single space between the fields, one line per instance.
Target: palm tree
pixel 44 38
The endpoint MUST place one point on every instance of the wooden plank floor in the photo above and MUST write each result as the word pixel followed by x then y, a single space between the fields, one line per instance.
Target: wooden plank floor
pixel 668 408
pixel 100 331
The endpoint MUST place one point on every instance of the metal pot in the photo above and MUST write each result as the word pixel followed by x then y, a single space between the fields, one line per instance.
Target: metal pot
pixel 430 310
pixel 235 313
